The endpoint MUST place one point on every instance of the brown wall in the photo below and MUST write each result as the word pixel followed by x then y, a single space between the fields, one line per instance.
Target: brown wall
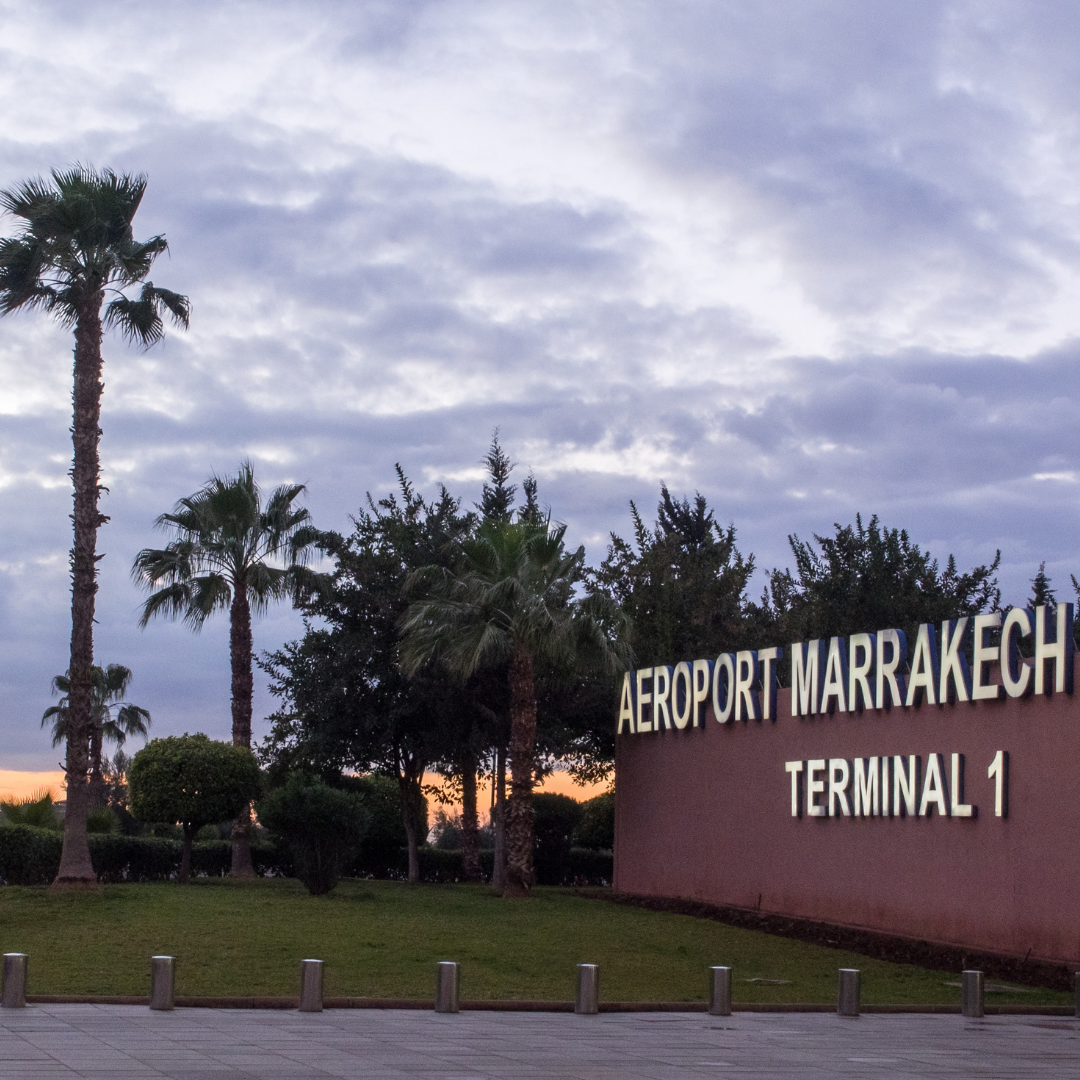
pixel 705 814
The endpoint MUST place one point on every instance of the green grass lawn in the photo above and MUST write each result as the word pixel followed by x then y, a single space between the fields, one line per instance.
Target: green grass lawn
pixel 382 939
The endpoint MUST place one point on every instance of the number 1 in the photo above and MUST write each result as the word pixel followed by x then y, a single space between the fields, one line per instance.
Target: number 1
pixel 999 773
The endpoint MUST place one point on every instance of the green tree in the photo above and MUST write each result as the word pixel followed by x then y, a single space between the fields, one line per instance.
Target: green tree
pixel 596 829
pixel 867 577
pixel 321 827
pixel 345 702
pixel 74 245
pixel 682 582
pixel 193 780
pixel 511 601
pixel 112 718
pixel 232 552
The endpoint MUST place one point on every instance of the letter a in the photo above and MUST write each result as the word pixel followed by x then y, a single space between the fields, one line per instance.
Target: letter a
pixel 626 706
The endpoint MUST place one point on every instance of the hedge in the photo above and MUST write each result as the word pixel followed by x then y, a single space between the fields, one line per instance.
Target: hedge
pixel 580 867
pixel 30 856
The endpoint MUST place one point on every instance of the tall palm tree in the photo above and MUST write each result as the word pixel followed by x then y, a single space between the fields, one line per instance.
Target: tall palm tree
pixel 74 244
pixel 112 717
pixel 231 552
pixel 512 602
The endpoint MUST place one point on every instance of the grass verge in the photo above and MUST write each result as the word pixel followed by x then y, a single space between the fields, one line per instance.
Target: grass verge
pixel 382 939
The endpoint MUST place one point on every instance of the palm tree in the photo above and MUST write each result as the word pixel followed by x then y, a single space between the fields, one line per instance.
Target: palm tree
pixel 232 553
pixel 74 244
pixel 110 686
pixel 512 602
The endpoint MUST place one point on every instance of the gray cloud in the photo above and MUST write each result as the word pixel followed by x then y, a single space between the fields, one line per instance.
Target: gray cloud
pixel 810 259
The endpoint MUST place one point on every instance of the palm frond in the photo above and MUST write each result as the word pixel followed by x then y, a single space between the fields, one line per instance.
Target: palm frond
pixel 140 320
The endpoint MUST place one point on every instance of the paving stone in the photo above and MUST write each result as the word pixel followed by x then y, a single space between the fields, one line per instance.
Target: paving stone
pixel 62 1042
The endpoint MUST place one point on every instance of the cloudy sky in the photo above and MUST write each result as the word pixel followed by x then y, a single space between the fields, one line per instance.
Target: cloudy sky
pixel 810 258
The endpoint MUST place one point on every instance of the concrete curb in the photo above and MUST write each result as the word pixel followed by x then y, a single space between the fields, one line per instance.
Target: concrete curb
pixel 535 1006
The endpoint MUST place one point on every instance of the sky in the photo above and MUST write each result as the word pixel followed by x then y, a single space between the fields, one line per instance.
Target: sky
pixel 809 258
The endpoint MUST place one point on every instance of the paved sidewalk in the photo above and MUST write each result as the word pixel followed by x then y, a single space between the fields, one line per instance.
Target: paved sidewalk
pixel 44 1042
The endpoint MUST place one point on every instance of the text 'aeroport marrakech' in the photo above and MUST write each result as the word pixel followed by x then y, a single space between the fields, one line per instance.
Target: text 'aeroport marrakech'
pixel 868 671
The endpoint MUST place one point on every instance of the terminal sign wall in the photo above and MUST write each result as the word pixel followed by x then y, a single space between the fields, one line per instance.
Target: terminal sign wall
pixel 819 800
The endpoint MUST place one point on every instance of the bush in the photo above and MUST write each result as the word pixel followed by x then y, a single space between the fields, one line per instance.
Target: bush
pixel 102 820
pixel 28 855
pixel 319 826
pixel 38 810
pixel 555 819
pixel 596 829
pixel 587 867
pixel 380 854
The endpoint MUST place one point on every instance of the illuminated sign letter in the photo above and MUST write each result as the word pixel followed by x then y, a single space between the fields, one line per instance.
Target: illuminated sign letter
pixel 1015 675
pixel 860 671
pixel 833 686
pixel 958 808
pixel 839 775
pixel 703 671
pixel 794 769
pixel 891 685
pixel 955 682
pixel 723 674
pixel 747 706
pixel 981 655
pixel 661 693
pixel 1059 652
pixel 643 699
pixel 924 667
pixel 807 660
pixel 905 784
pixel 768 661
pixel 626 706
pixel 864 796
pixel 814 787
pixel 682 700
pixel 933 789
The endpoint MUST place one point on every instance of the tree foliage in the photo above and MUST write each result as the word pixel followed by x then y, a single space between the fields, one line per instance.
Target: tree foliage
pixel 192 780
pixel 866 577
pixel 346 705
pixel 681 582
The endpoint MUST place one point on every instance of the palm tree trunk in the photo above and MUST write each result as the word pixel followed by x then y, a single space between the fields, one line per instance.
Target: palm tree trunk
pixel 470 825
pixel 76 870
pixel 519 863
pixel 96 795
pixel 498 873
pixel 240 657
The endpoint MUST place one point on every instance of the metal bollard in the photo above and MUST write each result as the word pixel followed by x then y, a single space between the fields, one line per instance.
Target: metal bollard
pixel 447 979
pixel 162 982
pixel 587 1002
pixel 13 994
pixel 1077 1009
pixel 720 991
pixel 311 985
pixel 971 993
pixel 849 992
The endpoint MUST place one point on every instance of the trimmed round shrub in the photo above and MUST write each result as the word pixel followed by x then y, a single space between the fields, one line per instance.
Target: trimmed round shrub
pixel 320 827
